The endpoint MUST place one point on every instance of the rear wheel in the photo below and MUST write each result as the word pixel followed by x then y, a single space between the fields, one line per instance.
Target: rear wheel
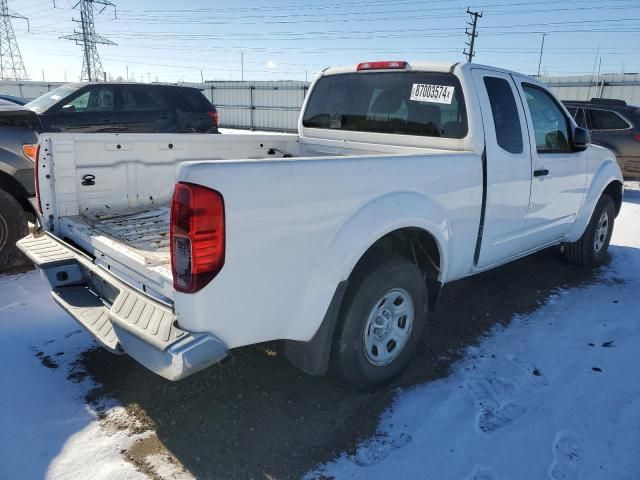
pixel 13 226
pixel 381 323
pixel 591 249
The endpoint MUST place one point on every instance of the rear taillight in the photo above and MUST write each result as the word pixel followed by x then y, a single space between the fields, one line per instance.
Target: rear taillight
pixel 388 65
pixel 197 236
pixel 36 179
pixel 636 137
pixel 214 116
pixel 30 151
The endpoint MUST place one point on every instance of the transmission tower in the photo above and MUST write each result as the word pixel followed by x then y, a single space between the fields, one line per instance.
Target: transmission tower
pixel 88 38
pixel 11 65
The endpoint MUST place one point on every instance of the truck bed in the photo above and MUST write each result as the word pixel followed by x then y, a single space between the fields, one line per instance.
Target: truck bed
pixel 138 240
pixel 109 194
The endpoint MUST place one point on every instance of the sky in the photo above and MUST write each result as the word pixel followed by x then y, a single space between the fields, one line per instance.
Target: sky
pixel 172 41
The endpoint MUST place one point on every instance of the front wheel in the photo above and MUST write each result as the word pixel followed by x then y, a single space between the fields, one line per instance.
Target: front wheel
pixel 381 323
pixel 591 249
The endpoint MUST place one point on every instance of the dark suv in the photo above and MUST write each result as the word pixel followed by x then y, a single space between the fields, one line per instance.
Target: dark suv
pixel 126 108
pixel 84 107
pixel 615 125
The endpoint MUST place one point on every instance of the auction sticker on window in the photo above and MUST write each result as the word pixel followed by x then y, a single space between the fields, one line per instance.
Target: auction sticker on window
pixel 421 92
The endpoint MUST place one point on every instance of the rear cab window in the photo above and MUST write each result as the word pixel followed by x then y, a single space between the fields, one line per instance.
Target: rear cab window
pixel 505 114
pixel 404 103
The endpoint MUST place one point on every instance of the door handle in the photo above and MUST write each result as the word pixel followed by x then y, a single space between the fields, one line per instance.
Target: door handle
pixel 540 173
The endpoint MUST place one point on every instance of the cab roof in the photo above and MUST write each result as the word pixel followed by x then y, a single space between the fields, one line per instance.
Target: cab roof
pixel 440 67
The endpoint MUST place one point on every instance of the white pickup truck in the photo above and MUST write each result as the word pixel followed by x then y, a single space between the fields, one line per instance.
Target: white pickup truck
pixel 337 240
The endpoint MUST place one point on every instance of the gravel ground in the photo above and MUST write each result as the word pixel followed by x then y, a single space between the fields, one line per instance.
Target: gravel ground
pixel 256 416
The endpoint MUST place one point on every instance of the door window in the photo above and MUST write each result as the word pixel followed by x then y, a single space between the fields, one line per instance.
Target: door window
pixel 136 99
pixel 549 123
pixel 607 120
pixel 505 114
pixel 98 99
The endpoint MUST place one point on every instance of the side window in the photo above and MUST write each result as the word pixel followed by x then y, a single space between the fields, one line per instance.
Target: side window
pixel 136 99
pixel 579 116
pixel 549 123
pixel 607 120
pixel 505 114
pixel 99 99
pixel 187 99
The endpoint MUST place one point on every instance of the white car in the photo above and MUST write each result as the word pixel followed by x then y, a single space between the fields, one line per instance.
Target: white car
pixel 337 240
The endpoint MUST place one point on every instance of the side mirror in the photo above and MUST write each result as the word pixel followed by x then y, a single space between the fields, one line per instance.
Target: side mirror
pixel 581 139
pixel 68 108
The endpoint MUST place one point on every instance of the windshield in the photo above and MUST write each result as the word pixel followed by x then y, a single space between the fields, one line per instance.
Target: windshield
pixel 406 103
pixel 49 99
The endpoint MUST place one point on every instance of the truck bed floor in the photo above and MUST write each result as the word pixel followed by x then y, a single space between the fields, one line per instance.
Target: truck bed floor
pixel 141 235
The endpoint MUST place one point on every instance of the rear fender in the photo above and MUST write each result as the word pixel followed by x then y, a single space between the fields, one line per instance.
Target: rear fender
pixel 321 304
pixel 354 237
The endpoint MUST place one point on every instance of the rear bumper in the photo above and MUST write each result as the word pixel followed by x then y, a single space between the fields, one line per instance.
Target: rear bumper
pixel 121 318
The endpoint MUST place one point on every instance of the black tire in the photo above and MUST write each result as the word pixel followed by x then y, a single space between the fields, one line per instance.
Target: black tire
pixel 585 252
pixel 13 226
pixel 392 275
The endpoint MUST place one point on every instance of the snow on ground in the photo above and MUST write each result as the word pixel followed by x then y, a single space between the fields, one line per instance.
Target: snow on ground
pixel 46 429
pixel 555 395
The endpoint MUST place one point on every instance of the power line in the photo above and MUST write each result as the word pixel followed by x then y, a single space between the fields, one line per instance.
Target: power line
pixel 89 39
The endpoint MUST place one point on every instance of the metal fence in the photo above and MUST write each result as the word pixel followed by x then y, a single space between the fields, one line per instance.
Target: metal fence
pixel 623 86
pixel 272 106
pixel 27 89
pixel 275 106
pixel 258 105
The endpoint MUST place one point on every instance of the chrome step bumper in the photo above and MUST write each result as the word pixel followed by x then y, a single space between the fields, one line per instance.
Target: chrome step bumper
pixel 121 318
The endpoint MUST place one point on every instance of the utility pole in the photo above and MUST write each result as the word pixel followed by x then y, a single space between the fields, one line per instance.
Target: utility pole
pixel 11 65
pixel 595 62
pixel 127 79
pixel 88 38
pixel 473 34
pixel 242 66
pixel 541 49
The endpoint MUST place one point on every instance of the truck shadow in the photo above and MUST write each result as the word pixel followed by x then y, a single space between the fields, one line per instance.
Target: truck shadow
pixel 256 416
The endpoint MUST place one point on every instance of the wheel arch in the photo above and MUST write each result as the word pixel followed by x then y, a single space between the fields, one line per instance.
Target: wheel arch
pixel 10 185
pixel 607 180
pixel 413 237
